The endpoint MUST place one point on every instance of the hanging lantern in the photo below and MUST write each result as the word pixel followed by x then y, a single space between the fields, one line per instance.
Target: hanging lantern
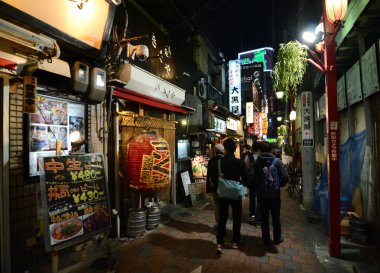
pixel 336 10
pixel 148 163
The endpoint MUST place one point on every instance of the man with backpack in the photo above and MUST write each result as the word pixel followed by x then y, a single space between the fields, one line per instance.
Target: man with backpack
pixel 269 176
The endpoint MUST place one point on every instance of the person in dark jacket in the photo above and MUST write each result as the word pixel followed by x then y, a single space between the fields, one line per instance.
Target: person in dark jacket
pixel 269 202
pixel 212 178
pixel 233 169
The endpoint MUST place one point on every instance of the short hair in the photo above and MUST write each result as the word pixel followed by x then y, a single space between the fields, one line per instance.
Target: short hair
pixel 265 147
pixel 219 149
pixel 230 145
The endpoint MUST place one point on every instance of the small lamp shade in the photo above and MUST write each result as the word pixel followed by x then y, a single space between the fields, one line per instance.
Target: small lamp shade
pixel 293 115
pixel 279 118
pixel 279 94
pixel 336 10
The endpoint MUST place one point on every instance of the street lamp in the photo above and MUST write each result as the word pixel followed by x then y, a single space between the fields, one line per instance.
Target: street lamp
pixel 333 14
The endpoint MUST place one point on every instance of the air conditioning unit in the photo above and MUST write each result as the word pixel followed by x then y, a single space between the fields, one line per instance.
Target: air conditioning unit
pixel 202 89
pixel 19 41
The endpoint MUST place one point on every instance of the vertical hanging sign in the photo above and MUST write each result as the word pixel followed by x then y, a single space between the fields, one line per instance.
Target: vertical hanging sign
pixel 234 87
pixel 249 112
pixel 30 92
pixel 307 119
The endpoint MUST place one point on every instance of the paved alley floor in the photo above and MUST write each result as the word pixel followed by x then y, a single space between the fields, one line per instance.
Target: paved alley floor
pixel 185 242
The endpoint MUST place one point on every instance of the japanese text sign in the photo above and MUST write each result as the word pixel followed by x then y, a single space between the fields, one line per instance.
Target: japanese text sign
pixel 307 119
pixel 74 195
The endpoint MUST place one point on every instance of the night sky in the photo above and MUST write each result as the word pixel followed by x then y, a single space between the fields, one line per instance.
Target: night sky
pixel 248 25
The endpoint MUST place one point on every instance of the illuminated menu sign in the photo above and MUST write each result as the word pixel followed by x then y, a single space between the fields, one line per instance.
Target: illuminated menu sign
pixel 307 119
pixel 234 87
pixel 249 112
pixel 75 199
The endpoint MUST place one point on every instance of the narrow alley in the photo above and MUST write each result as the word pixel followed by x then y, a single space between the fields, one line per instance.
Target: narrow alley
pixel 185 242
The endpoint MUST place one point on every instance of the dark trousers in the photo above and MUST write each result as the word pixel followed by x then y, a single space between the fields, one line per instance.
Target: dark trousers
pixel 253 209
pixel 236 206
pixel 272 205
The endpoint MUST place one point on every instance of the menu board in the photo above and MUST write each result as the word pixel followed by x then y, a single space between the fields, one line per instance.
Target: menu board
pixel 354 87
pixel 369 72
pixel 74 197
pixel 342 101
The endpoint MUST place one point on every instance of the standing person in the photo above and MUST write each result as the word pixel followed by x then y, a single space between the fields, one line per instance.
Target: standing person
pixel 254 213
pixel 269 201
pixel 212 179
pixel 247 157
pixel 233 169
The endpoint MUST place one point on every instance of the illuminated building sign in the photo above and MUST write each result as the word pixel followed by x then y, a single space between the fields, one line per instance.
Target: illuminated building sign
pixel 262 55
pixel 249 112
pixel 232 124
pixel 234 87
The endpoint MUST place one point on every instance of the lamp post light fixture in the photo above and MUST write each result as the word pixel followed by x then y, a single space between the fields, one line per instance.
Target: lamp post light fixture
pixel 293 115
pixel 280 94
pixel 279 118
pixel 334 13
pixel 336 10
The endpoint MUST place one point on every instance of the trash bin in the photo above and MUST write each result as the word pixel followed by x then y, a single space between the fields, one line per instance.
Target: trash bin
pixel 360 231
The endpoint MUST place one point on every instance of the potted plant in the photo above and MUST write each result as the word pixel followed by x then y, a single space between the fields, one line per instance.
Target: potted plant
pixel 290 68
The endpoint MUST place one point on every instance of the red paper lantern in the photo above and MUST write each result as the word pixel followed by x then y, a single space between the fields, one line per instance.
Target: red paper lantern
pixel 148 163
pixel 336 10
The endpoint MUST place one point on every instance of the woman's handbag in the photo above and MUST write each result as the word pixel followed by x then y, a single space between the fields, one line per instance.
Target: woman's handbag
pixel 227 188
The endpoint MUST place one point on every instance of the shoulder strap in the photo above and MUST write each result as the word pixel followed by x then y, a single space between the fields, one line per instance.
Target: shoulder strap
pixel 220 167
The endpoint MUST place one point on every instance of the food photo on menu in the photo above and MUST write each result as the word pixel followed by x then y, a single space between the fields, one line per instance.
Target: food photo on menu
pixel 62 231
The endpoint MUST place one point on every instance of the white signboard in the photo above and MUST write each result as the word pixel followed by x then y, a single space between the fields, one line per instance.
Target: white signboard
pixel 249 112
pixel 140 81
pixel 342 101
pixel 354 87
pixel 307 119
pixel 322 106
pixel 220 125
pixel 234 87
pixel 186 181
pixel 369 72
pixel 232 124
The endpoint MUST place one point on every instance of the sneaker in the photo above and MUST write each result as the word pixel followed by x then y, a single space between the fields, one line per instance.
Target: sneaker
pixel 219 249
pixel 235 246
pixel 251 218
pixel 277 242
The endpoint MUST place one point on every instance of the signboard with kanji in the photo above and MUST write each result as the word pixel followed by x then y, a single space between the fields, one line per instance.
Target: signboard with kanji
pixel 75 198
pixel 307 119
pixel 234 87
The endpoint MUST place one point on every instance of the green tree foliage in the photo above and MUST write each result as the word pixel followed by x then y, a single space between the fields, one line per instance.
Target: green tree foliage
pixel 290 67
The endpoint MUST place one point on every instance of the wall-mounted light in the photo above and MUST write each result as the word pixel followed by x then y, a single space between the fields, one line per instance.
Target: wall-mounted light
pixel 183 122
pixel 76 140
pixel 280 94
pixel 79 3
pixel 279 118
pixel 293 115
pixel 336 10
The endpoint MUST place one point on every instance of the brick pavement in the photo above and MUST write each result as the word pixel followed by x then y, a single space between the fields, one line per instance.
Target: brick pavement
pixel 185 242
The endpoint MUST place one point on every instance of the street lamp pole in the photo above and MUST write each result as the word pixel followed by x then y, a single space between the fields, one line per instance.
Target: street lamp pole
pixel 332 136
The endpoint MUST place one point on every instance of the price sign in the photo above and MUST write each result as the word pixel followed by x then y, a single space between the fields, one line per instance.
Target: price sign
pixel 75 199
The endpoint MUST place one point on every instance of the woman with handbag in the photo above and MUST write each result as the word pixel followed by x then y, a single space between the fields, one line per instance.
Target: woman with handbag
pixel 232 178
